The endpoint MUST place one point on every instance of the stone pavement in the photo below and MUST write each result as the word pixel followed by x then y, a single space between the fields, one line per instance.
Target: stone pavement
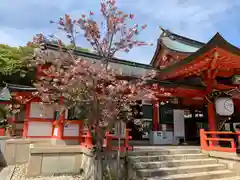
pixel 17 173
pixel 6 172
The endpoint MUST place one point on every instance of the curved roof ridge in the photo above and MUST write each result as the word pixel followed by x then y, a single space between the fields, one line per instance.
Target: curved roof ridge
pixel 216 41
pixel 183 39
pixel 176 43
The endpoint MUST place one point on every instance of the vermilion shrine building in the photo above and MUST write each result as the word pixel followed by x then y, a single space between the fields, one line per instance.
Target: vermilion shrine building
pixel 191 80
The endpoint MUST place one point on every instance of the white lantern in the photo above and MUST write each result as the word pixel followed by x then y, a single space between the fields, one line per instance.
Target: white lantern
pixel 224 106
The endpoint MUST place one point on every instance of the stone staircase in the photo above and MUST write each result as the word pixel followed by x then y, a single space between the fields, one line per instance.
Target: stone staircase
pixel 179 163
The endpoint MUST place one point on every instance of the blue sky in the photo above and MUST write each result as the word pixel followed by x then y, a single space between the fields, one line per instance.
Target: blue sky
pixel 197 19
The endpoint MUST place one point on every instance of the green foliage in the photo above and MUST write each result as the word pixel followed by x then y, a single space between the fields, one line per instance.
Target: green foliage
pixel 3 117
pixel 12 63
pixel 11 58
pixel 3 112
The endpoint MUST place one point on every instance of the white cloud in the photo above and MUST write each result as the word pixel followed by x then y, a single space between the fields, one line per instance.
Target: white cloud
pixel 197 19
pixel 191 18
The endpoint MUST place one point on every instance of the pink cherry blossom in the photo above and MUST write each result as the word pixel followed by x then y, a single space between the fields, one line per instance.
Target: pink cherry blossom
pixel 94 87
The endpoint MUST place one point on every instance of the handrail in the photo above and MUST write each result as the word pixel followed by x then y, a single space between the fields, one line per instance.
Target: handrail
pixel 126 145
pixel 87 141
pixel 214 143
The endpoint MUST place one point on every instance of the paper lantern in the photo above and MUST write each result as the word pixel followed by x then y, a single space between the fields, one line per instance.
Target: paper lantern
pixel 224 106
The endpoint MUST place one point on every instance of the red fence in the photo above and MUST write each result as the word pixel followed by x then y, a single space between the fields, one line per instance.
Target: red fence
pixel 87 141
pixel 213 140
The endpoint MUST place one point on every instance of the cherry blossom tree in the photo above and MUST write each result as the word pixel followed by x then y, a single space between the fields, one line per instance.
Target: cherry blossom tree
pixel 72 81
pixel 109 36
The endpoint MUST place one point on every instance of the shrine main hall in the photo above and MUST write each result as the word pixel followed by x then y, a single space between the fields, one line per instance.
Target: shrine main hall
pixel 198 88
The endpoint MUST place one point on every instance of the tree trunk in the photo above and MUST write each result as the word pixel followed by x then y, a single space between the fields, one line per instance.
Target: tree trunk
pixel 126 172
pixel 118 158
pixel 99 163
pixel 9 132
pixel 119 153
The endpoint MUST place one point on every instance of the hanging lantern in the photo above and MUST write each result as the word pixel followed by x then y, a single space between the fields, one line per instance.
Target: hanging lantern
pixel 224 106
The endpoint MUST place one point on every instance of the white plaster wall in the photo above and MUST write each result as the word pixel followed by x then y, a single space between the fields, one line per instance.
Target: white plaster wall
pixel 41 111
pixel 179 125
pixel 71 130
pixel 40 129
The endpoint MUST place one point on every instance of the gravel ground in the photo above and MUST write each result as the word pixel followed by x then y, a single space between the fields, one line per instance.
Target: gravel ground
pixel 20 171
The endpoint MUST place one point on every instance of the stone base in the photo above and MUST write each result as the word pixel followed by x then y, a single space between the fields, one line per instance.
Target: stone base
pixel 57 160
pixel 16 151
pixel 64 142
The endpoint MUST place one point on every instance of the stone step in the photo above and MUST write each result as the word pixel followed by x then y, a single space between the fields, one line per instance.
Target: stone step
pixel 228 178
pixel 196 176
pixel 173 163
pixel 167 157
pixel 163 152
pixel 164 147
pixel 180 170
pixel 6 172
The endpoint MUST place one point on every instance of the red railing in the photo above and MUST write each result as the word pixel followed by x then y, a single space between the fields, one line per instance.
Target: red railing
pixel 87 141
pixel 110 137
pixel 212 140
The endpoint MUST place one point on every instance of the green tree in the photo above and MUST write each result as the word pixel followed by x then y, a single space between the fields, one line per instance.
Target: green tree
pixel 11 58
pixel 12 63
pixel 12 67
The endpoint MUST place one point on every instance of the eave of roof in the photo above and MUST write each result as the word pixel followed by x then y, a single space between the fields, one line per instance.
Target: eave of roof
pixel 172 84
pixel 177 46
pixel 158 48
pixel 166 84
pixel 185 40
pixel 17 87
pixel 190 81
pixel 216 41
pixel 97 57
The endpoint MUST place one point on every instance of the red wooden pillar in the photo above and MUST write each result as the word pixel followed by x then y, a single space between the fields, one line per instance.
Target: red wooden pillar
pixel 60 122
pixel 212 122
pixel 81 127
pixel 155 116
pixel 211 117
pixel 26 120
